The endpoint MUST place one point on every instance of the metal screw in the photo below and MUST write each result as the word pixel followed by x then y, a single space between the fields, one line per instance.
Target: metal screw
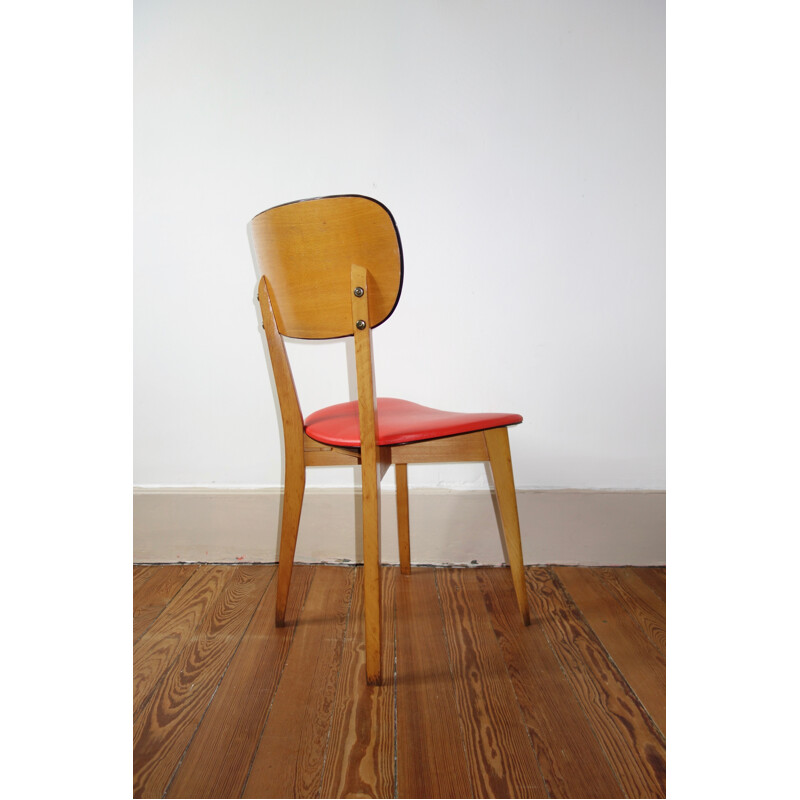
pixel 361 324
pixel 358 291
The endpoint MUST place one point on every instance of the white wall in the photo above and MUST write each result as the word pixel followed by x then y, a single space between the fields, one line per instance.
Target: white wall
pixel 520 147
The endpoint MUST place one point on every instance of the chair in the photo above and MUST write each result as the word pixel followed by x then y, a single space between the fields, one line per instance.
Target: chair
pixel 333 267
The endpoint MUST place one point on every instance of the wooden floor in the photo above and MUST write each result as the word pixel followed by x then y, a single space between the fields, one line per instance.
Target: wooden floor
pixel 473 703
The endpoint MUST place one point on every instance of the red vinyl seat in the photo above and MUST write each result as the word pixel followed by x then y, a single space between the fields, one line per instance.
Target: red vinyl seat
pixel 398 422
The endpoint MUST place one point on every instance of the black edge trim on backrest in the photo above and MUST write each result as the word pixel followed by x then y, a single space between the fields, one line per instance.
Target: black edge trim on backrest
pixel 394 225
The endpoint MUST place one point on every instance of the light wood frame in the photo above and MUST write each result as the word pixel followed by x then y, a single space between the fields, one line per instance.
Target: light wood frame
pixel 301 452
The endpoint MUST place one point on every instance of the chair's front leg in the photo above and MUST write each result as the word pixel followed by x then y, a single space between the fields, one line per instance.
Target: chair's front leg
pixel 500 457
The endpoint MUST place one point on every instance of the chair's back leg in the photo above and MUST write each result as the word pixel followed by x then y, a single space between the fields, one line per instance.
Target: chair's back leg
pixel 401 478
pixel 500 458
pixel 294 487
pixel 294 457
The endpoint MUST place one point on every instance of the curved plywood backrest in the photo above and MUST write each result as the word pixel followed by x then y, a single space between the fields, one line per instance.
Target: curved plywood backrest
pixel 306 249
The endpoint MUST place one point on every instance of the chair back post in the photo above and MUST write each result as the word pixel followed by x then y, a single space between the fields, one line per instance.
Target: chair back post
pixel 291 416
pixel 365 371
pixel 360 286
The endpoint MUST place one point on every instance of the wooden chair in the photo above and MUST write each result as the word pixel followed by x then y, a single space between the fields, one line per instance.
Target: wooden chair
pixel 333 267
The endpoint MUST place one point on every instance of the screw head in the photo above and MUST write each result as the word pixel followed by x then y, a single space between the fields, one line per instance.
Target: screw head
pixel 358 291
pixel 361 324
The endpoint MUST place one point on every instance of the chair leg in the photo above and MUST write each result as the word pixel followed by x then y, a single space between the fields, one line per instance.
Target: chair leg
pixel 294 487
pixel 370 506
pixel 500 457
pixel 401 477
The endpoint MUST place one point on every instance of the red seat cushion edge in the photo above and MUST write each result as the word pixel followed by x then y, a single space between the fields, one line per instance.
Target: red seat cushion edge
pixel 398 422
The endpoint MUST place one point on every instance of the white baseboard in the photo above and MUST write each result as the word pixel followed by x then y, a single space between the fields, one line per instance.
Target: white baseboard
pixel 447 527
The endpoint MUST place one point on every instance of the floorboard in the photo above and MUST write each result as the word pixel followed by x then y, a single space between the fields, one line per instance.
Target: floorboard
pixel 427 714
pixel 169 635
pixel 290 756
pixel 153 595
pixel 360 758
pixel 168 719
pixel 473 703
pixel 633 745
pixel 500 757
pixel 141 574
pixel 218 759
pixel 632 652
pixel 655 578
pixel 639 601
pixel 572 762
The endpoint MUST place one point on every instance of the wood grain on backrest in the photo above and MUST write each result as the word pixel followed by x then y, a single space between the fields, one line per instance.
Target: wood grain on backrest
pixel 306 249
